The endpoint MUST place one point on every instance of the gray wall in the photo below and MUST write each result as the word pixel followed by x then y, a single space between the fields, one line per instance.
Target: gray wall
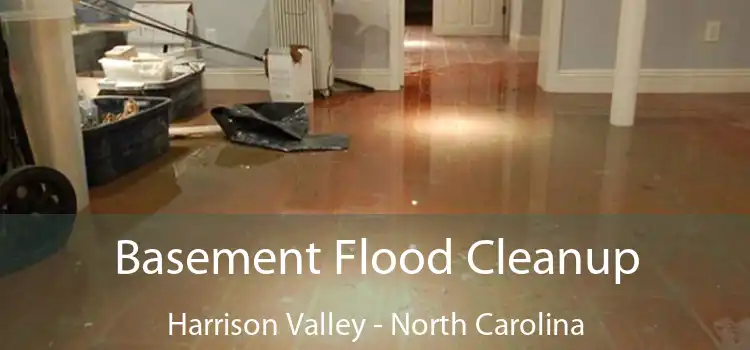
pixel 526 17
pixel 531 24
pixel 361 34
pixel 360 31
pixel 674 34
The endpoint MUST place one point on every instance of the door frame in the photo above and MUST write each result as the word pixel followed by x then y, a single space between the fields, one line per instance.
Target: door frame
pixel 397 21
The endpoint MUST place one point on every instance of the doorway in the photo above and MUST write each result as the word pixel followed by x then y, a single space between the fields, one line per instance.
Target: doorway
pixel 418 12
pixel 466 18
pixel 458 17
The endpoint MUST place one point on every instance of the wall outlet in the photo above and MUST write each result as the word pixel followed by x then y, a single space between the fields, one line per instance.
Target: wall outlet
pixel 210 35
pixel 713 31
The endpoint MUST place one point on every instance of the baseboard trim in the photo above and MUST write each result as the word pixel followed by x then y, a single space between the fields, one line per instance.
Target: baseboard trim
pixel 255 78
pixel 235 79
pixel 379 79
pixel 524 43
pixel 655 81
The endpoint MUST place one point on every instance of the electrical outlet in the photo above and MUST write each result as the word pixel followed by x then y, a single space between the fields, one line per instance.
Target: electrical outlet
pixel 210 35
pixel 713 31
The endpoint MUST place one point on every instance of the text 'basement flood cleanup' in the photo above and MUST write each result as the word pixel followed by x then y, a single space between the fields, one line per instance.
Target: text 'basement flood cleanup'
pixel 131 260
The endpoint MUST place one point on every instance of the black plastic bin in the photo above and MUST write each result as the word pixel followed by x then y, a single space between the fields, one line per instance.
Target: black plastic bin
pixel 115 149
pixel 185 91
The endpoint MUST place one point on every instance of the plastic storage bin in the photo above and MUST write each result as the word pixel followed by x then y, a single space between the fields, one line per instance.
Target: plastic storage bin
pixel 148 71
pixel 185 90
pixel 115 149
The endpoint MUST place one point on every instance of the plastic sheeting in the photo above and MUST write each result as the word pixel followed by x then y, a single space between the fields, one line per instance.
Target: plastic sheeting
pixel 277 126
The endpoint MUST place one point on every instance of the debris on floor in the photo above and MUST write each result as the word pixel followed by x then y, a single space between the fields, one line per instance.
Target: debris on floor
pixel 194 131
pixel 278 126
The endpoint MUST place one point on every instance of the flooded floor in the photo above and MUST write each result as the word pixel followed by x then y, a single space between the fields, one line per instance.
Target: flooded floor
pixel 471 135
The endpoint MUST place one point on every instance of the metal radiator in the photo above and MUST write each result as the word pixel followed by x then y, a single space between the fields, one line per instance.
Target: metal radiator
pixel 309 23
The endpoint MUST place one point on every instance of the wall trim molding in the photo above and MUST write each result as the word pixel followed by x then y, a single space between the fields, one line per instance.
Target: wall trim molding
pixel 397 22
pixel 550 39
pixel 235 79
pixel 524 43
pixel 255 78
pixel 378 78
pixel 654 81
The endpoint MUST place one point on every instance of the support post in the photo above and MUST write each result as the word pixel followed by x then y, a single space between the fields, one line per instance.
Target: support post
pixel 40 45
pixel 628 62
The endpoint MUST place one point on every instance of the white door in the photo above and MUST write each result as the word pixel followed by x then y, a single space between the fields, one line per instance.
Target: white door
pixel 468 17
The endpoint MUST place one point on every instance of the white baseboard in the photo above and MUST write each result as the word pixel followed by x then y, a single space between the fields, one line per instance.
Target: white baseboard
pixel 520 42
pixel 255 78
pixel 235 79
pixel 379 78
pixel 655 81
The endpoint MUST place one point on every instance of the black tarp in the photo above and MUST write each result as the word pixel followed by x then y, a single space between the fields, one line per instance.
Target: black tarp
pixel 277 126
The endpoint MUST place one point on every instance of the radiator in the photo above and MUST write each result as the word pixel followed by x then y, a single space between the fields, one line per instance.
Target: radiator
pixel 309 23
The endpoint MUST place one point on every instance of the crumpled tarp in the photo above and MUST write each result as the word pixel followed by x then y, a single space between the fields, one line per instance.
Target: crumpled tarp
pixel 280 126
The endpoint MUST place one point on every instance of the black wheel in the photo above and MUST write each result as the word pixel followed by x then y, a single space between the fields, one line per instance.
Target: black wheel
pixel 36 190
pixel 38 207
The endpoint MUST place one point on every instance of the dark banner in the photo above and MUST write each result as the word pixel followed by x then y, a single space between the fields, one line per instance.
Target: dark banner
pixel 350 282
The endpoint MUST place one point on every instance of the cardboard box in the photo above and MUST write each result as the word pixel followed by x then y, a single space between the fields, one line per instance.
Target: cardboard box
pixel 124 52
pixel 178 14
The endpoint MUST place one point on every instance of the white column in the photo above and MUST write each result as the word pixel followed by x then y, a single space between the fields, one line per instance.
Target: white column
pixel 516 18
pixel 628 62
pixel 614 185
pixel 40 45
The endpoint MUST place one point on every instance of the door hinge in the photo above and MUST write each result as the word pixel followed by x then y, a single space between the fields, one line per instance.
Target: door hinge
pixel 505 10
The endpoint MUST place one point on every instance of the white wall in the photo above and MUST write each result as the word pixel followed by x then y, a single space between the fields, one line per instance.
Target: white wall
pixel 674 34
pixel 525 24
pixel 361 37
pixel 579 39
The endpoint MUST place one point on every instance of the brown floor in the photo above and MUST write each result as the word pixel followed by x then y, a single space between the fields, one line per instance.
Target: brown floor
pixel 470 134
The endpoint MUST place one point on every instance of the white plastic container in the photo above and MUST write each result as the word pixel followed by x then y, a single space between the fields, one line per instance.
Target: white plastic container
pixel 184 87
pixel 155 70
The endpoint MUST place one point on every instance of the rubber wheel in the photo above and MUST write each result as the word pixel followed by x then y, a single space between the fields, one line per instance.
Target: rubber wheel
pixel 36 190
pixel 38 207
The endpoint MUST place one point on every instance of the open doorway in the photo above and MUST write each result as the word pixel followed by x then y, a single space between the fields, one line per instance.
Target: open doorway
pixel 424 25
pixel 418 12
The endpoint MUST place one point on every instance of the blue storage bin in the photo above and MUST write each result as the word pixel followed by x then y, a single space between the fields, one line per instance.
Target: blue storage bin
pixel 115 149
